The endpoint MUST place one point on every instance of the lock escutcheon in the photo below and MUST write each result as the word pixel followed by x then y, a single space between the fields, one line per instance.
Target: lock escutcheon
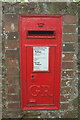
pixel 33 76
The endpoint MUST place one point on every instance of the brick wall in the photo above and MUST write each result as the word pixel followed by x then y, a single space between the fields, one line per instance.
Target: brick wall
pixel 11 58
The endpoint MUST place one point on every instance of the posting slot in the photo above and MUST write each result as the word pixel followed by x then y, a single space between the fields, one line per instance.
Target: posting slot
pixel 40 34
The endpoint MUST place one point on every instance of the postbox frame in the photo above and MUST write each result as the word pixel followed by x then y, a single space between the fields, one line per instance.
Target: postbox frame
pixel 23 81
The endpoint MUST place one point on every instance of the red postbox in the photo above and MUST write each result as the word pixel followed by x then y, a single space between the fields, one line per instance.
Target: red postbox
pixel 40 61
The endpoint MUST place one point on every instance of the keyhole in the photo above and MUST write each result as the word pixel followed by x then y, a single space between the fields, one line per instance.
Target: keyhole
pixel 33 77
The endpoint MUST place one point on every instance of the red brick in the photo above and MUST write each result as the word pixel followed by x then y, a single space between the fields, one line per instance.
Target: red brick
pixel 66 83
pixel 69 28
pixel 11 63
pixel 12 71
pixel 12 79
pixel 10 17
pixel 68 47
pixel 69 37
pixel 8 20
pixel 12 89
pixel 66 90
pixel 12 54
pixel 69 19
pixel 11 45
pixel 64 106
pixel 67 65
pixel 68 56
pixel 12 114
pixel 12 36
pixel 68 73
pixel 14 105
pixel 65 98
pixel 72 114
pixel 13 98
pixel 8 26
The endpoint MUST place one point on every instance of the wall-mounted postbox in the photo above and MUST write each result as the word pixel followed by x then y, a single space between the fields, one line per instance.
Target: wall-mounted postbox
pixel 40 61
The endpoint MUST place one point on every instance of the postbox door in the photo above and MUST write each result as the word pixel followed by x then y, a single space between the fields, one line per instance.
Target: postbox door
pixel 40 61
pixel 40 75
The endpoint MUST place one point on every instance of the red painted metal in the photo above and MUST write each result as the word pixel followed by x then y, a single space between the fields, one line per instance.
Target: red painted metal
pixel 40 90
